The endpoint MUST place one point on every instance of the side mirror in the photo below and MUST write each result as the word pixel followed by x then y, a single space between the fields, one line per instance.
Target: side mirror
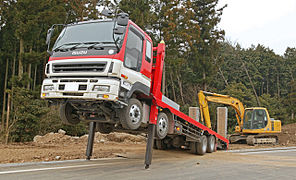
pixel 106 12
pixel 122 19
pixel 119 30
pixel 49 34
pixel 48 37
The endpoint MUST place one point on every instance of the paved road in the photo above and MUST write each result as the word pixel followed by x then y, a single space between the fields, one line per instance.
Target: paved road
pixel 264 164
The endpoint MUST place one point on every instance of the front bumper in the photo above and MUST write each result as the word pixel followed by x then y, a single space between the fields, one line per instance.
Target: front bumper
pixel 80 88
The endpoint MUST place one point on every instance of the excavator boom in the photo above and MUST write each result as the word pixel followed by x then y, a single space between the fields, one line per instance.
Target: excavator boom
pixel 236 104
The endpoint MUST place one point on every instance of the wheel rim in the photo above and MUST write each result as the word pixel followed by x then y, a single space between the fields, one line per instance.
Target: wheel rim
pixel 162 126
pixel 135 114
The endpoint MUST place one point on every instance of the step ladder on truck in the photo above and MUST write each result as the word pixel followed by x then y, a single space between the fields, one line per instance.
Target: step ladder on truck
pixel 112 80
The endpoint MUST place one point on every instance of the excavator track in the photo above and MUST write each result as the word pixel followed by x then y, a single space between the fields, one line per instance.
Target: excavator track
pixel 261 139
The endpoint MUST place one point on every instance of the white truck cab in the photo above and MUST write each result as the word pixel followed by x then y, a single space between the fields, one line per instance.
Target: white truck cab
pixel 96 68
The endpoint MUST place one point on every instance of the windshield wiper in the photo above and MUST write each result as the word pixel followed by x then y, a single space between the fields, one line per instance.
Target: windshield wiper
pixel 60 48
pixel 99 45
pixel 76 46
pixel 89 45
pixel 95 45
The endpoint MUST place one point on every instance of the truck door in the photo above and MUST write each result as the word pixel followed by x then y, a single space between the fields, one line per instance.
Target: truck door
pixel 133 59
pixel 147 63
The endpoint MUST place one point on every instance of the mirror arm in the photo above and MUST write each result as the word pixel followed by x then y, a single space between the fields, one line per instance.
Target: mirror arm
pixel 115 41
pixel 49 34
pixel 48 51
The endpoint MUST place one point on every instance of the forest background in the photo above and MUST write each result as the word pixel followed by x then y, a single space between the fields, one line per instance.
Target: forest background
pixel 197 58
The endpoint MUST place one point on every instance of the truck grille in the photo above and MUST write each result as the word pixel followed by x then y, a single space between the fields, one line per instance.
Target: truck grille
pixel 79 67
pixel 73 94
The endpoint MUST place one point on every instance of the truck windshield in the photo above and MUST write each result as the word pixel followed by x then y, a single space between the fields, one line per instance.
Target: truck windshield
pixel 86 33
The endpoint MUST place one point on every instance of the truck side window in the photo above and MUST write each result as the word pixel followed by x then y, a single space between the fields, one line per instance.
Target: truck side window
pixel 133 52
pixel 148 51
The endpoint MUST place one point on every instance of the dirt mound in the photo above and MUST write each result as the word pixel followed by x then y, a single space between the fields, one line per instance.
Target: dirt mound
pixel 62 138
pixel 59 146
pixel 288 135
pixel 124 137
pixel 54 138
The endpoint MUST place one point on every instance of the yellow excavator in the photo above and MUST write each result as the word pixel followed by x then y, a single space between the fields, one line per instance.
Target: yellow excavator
pixel 254 124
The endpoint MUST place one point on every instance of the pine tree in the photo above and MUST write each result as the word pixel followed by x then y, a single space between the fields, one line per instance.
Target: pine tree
pixel 204 55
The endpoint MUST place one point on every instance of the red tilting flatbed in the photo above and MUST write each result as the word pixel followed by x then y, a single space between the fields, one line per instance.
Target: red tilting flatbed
pixel 192 131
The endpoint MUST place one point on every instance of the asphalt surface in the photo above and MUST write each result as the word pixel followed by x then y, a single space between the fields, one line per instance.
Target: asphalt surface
pixel 173 164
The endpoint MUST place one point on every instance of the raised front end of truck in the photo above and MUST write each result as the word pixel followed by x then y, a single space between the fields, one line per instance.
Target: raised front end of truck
pixel 100 71
pixel 85 79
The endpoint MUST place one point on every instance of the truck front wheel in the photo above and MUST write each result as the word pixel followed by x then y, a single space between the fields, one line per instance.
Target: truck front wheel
pixel 67 114
pixel 131 116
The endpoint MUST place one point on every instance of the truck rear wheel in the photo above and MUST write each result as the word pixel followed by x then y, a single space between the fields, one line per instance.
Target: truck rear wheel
pixel 162 126
pixel 131 116
pixel 211 143
pixel 193 147
pixel 68 115
pixel 201 147
pixel 105 128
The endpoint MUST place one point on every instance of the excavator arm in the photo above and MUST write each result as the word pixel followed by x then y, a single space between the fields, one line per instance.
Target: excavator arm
pixel 205 97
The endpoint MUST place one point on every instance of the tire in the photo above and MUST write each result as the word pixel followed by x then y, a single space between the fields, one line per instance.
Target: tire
pixel 165 143
pixel 201 147
pixel 159 144
pixel 211 144
pixel 132 115
pixel 67 114
pixel 193 146
pixel 105 128
pixel 162 126
pixel 168 142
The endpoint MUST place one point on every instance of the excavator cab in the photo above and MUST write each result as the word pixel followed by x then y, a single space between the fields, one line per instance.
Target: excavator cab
pixel 255 119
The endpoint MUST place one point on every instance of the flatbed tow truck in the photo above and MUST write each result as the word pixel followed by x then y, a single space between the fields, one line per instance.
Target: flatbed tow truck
pixel 112 78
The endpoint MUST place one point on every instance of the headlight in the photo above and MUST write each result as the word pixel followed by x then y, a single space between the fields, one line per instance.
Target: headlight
pixel 48 88
pixel 102 88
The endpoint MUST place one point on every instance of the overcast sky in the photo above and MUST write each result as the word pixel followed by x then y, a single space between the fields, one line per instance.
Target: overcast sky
pixel 271 23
